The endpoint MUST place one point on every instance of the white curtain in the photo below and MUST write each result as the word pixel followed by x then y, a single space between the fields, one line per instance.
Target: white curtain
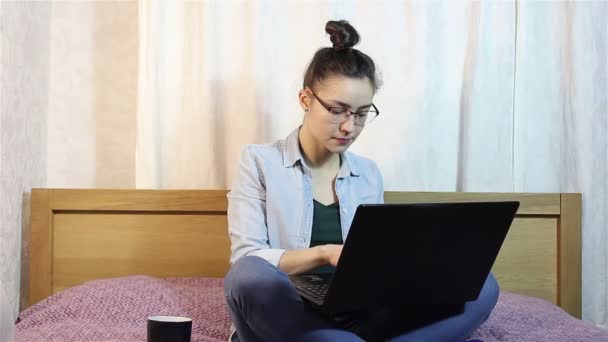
pixel 216 75
pixel 561 122
pixel 477 96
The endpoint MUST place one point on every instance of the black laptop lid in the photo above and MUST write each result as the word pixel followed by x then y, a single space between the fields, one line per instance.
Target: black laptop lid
pixel 412 254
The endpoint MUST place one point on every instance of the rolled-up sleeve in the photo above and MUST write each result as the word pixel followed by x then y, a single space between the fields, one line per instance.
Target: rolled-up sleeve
pixel 247 212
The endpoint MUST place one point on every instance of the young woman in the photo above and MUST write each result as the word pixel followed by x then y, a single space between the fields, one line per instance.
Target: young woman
pixel 292 204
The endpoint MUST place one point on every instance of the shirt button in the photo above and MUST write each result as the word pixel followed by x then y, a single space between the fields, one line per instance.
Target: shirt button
pixel 344 210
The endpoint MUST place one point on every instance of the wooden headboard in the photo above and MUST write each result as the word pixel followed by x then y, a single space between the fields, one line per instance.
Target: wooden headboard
pixel 81 235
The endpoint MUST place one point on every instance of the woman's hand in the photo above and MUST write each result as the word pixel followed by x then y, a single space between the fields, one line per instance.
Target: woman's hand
pixel 331 254
pixel 298 261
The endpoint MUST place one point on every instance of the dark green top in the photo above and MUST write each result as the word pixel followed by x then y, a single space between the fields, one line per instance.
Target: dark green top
pixel 326 229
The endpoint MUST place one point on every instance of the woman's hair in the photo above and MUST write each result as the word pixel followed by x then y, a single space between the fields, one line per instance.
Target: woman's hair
pixel 341 59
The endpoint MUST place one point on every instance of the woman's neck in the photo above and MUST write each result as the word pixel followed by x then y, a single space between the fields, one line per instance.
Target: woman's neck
pixel 317 157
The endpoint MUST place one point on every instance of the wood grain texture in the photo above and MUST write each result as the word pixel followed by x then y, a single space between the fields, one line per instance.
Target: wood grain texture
pixel 140 200
pixel 81 235
pixel 570 254
pixel 527 261
pixel 530 203
pixel 41 224
pixel 92 246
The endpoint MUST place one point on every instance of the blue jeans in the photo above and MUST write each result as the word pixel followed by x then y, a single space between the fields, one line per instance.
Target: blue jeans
pixel 265 306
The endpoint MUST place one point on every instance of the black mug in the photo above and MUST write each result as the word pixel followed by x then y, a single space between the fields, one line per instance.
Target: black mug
pixel 169 329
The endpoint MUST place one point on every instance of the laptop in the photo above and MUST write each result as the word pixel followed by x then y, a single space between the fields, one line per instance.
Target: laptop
pixel 411 254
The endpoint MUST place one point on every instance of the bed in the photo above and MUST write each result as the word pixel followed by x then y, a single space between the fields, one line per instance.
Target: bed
pixel 101 261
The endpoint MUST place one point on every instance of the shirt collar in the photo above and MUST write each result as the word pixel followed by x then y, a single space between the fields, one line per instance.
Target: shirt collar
pixel 292 154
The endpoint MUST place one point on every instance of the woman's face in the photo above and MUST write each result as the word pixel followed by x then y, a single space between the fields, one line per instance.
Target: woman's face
pixel 354 94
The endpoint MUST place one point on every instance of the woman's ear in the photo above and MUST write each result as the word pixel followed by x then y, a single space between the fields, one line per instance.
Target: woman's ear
pixel 304 99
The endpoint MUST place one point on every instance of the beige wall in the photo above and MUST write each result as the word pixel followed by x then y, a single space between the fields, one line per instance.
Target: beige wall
pixel 24 68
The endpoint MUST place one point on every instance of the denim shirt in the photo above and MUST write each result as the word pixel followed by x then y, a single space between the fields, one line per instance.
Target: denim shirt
pixel 270 206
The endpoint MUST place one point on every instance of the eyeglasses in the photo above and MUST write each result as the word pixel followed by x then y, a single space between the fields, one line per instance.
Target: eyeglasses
pixel 340 114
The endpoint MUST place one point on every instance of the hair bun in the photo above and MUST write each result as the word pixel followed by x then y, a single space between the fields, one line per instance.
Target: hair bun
pixel 341 34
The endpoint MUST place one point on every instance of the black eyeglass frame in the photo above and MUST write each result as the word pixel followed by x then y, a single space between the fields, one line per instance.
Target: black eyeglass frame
pixel 349 112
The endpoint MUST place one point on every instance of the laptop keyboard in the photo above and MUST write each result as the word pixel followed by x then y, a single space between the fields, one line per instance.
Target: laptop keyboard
pixel 313 288
pixel 316 287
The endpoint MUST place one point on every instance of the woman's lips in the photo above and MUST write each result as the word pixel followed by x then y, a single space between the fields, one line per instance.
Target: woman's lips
pixel 342 141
